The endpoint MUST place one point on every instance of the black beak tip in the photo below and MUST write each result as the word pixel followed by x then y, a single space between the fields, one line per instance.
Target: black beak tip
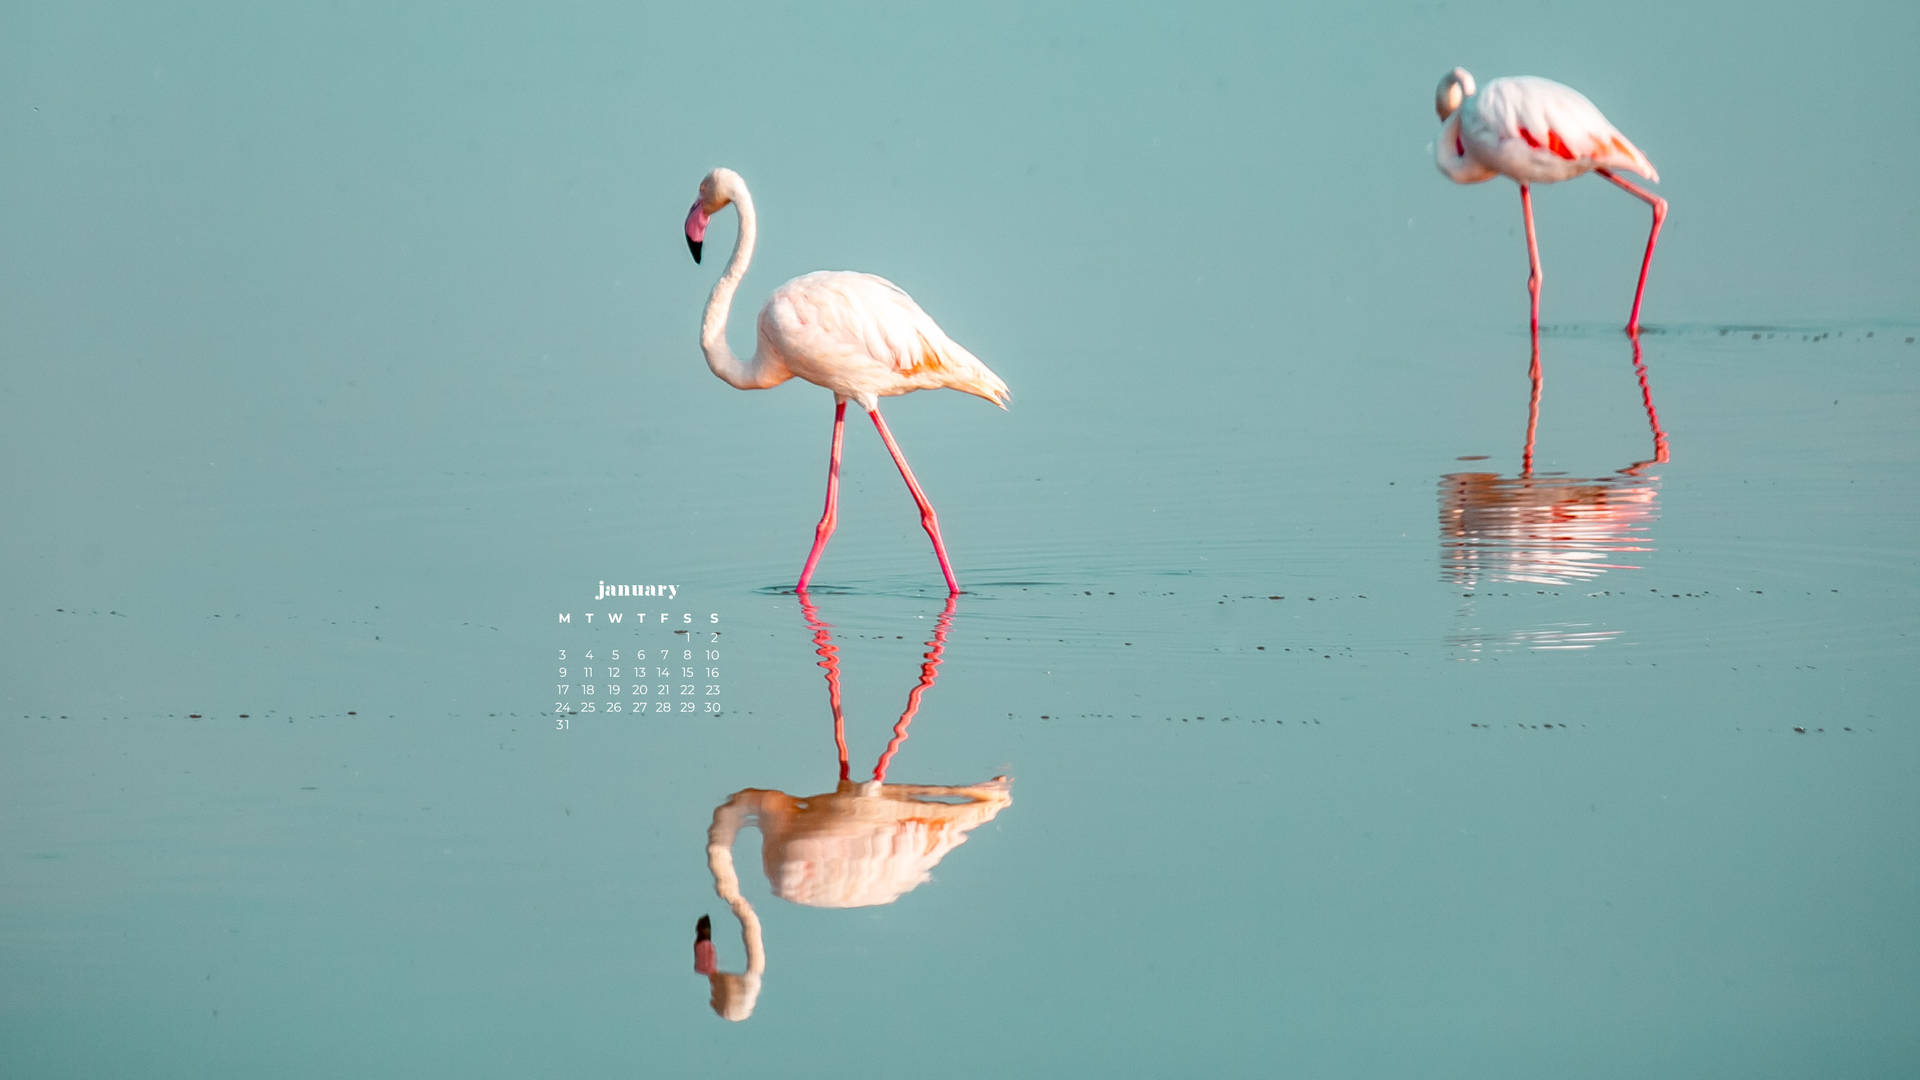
pixel 703 930
pixel 694 246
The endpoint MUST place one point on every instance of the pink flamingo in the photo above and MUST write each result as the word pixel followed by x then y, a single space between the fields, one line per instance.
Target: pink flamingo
pixel 1537 131
pixel 858 335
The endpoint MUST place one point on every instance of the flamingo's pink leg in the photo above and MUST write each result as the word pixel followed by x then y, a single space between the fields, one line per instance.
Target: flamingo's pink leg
pixel 1533 370
pixel 1533 272
pixel 830 515
pixel 927 518
pixel 1653 237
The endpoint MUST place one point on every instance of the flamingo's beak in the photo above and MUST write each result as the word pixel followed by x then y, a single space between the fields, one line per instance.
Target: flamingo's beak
pixel 696 229
pixel 704 961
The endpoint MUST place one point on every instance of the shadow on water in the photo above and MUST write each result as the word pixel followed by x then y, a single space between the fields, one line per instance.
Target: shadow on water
pixel 1884 330
pixel 864 844
pixel 1538 530
pixel 905 589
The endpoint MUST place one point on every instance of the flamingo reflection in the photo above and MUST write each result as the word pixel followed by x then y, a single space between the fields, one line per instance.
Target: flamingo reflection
pixel 864 844
pixel 1551 530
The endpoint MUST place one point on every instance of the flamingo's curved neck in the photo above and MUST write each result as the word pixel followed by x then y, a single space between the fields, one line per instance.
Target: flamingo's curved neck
pixel 728 819
pixel 742 374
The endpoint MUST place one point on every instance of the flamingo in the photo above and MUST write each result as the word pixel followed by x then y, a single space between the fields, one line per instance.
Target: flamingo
pixel 1537 131
pixel 858 335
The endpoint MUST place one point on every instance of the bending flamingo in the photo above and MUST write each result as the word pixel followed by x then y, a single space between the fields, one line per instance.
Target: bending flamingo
pixel 1537 131
pixel 858 335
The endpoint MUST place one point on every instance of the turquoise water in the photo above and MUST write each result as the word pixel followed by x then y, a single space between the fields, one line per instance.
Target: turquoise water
pixel 345 349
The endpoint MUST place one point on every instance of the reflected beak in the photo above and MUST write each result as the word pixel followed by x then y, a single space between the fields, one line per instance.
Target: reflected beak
pixel 704 960
pixel 696 229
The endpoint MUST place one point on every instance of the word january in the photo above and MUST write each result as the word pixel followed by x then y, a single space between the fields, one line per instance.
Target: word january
pixel 606 590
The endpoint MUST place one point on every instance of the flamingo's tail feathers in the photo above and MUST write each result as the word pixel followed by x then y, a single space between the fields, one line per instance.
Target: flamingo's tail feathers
pixel 949 364
pixel 991 388
pixel 1615 151
pixel 977 378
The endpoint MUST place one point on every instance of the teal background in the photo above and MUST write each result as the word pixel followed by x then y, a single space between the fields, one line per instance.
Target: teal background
pixel 343 346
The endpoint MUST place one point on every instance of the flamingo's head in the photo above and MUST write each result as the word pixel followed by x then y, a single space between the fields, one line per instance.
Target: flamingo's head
pixel 1455 87
pixel 733 996
pixel 716 191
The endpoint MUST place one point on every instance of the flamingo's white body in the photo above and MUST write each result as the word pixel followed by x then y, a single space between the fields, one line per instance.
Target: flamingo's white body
pixel 864 338
pixel 1537 131
pixel 858 335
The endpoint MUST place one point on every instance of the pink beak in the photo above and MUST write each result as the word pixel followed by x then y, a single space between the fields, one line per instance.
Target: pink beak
pixel 696 229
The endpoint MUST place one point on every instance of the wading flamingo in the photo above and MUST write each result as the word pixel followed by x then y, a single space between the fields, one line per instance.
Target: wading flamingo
pixel 863 844
pixel 1537 131
pixel 858 335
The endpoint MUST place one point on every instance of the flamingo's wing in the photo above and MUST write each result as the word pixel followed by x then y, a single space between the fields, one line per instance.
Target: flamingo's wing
pixel 1556 122
pixel 864 319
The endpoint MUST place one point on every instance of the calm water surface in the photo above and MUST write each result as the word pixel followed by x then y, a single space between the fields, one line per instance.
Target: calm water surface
pixel 1348 732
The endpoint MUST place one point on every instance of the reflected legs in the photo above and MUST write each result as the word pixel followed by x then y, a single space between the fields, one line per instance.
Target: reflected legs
pixel 929 666
pixel 1533 413
pixel 829 655
pixel 1653 415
